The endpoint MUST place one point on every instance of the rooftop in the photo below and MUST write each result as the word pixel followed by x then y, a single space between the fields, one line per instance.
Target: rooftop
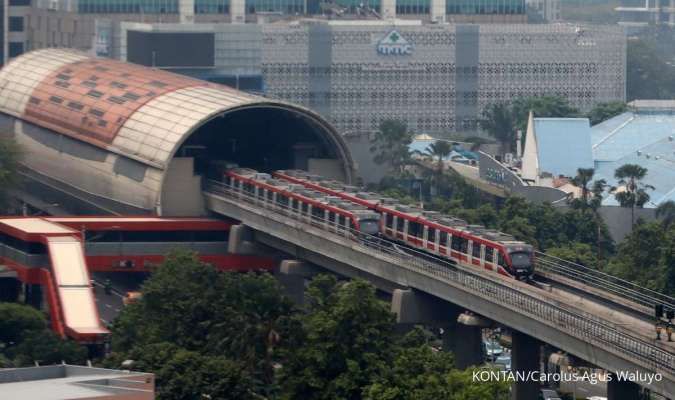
pixel 59 382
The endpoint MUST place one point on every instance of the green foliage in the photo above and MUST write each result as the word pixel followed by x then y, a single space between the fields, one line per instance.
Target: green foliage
pixel 666 212
pixel 579 253
pixel 604 111
pixel 648 76
pixel 348 341
pixel 498 121
pixel 439 150
pixel 25 338
pixel 196 308
pixel 647 257
pixel 10 156
pixel 17 320
pixel 634 193
pixel 216 335
pixel 503 120
pixel 390 145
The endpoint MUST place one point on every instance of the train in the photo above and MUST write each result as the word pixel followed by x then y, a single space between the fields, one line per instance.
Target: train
pixel 346 209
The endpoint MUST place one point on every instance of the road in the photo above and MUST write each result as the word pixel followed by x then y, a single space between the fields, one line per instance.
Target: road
pixel 110 305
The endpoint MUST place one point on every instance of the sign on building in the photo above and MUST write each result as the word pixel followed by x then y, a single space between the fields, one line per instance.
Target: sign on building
pixel 394 45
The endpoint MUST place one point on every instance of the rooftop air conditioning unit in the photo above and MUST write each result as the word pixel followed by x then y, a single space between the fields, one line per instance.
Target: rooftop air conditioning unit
pixel 53 5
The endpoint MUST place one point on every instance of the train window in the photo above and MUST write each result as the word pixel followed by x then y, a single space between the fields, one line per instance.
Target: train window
pixel 210 236
pixel 270 194
pixel 431 234
pixel 489 252
pixel 342 220
pixel 456 243
pixel 444 238
pixel 475 250
pixel 305 208
pixel 318 212
pixel 400 224
pixel 390 221
pixel 414 229
pixel 282 199
pixel 465 246
pixel 331 216
pixel 248 188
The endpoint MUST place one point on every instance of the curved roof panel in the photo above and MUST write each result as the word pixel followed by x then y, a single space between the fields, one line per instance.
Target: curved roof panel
pixel 137 111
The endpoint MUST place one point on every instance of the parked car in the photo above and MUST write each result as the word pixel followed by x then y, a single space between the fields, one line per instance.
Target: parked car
pixel 492 349
pixel 503 362
pixel 548 394
pixel 131 297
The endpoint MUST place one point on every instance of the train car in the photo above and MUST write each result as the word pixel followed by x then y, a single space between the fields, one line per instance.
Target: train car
pixel 443 236
pixel 303 203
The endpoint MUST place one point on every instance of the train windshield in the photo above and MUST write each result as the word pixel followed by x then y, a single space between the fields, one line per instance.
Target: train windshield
pixel 521 259
pixel 369 226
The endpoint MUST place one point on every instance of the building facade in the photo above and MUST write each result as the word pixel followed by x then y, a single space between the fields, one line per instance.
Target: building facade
pixel 353 66
pixel 641 13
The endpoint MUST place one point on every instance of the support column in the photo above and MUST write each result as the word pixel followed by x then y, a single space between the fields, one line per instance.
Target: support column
pixel 437 11
pixel 238 11
pixel 240 241
pixel 292 275
pixel 622 390
pixel 465 342
pixel 525 357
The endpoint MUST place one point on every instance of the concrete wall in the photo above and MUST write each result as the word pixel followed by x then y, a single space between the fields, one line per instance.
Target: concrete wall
pixel 366 169
pixel 182 189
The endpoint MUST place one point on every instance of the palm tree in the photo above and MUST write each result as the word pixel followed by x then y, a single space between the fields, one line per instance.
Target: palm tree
pixel 666 211
pixel 583 178
pixel 634 193
pixel 497 121
pixel 439 149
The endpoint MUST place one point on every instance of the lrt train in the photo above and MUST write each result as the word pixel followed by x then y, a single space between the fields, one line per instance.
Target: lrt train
pixel 344 208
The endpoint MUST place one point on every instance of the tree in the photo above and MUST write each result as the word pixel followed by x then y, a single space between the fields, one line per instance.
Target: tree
pixel 544 106
pixel 634 193
pixel 604 111
pixel 578 253
pixel 194 307
pixel 25 338
pixel 17 321
pixel 390 145
pixel 347 343
pixel 648 75
pixel 439 150
pixel 10 156
pixel 666 211
pixel 497 120
pixel 582 180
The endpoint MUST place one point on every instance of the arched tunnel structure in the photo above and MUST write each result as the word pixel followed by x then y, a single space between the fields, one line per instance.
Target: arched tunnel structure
pixel 103 136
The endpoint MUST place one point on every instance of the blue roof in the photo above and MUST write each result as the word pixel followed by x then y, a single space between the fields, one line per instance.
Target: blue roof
pixel 563 145
pixel 421 146
pixel 659 159
pixel 629 132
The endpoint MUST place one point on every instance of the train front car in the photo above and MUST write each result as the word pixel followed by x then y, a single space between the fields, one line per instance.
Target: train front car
pixel 520 260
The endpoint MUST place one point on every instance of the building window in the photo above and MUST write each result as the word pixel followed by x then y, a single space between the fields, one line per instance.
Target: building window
pixel 16 24
pixel 15 49
pixel 14 3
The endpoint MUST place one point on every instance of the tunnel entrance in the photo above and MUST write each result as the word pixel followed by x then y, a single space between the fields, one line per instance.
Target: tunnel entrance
pixel 263 137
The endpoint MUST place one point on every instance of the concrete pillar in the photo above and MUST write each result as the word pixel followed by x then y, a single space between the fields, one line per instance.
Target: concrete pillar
pixel 437 11
pixel 238 11
pixel 292 275
pixel 622 390
pixel 240 241
pixel 465 342
pixel 186 9
pixel 525 357
pixel 388 9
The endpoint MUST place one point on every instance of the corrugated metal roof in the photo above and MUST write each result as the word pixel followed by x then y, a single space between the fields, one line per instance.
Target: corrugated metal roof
pixel 629 132
pixel 563 145
pixel 658 158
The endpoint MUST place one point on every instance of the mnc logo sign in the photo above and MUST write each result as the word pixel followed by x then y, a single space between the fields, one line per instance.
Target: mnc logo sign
pixel 394 44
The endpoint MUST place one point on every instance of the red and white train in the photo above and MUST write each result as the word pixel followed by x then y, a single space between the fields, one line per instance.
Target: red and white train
pixel 342 206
